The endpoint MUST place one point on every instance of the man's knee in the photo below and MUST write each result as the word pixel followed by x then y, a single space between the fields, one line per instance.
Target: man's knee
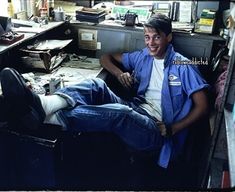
pixel 98 82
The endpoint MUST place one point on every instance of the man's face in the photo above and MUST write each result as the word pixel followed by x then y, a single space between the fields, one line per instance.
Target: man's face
pixel 156 42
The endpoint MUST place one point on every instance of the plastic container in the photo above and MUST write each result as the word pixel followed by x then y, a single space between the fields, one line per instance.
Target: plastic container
pixel 10 9
pixel 59 14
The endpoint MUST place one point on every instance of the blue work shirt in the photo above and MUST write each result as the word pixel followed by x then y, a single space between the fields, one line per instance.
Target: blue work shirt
pixel 180 82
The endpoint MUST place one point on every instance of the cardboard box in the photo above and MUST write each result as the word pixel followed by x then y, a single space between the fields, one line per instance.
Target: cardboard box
pixel 44 55
pixel 44 61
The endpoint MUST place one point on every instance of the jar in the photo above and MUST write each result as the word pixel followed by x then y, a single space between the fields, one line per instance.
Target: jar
pixel 43 12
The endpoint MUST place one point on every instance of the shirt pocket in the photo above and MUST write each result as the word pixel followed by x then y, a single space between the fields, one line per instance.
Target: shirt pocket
pixel 177 97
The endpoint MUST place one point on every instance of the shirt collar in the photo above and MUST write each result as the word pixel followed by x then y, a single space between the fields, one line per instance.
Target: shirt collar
pixel 169 55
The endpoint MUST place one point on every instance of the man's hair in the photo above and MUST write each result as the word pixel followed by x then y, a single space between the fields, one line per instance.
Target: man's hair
pixel 160 22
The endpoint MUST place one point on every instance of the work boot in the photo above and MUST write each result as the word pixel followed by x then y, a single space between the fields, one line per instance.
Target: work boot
pixel 24 105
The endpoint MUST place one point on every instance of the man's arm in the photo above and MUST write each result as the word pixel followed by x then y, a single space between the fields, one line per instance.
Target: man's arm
pixel 200 109
pixel 112 63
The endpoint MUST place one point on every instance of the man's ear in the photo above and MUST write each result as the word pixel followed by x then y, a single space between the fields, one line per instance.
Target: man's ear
pixel 169 37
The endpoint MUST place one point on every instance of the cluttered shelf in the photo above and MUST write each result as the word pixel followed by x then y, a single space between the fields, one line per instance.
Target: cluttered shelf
pixel 133 17
pixel 28 33
pixel 184 29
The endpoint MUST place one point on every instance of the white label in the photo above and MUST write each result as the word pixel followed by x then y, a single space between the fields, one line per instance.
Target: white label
pixel 87 36
pixel 98 45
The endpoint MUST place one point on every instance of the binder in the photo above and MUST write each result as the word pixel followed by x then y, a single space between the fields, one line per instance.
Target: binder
pixel 175 11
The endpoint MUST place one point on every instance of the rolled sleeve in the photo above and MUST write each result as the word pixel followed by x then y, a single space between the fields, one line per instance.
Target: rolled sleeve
pixel 127 59
pixel 193 80
pixel 131 60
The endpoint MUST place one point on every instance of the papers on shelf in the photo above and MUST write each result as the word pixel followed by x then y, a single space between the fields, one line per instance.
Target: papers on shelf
pixel 83 62
pixel 49 45
pixel 182 26
pixel 185 11
pixel 70 75
pixel 28 29
pixel 23 23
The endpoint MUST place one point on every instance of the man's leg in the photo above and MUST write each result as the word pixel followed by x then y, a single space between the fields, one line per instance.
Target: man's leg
pixel 52 103
pixel 89 92
pixel 135 129
pixel 21 105
pixel 27 107
pixel 90 112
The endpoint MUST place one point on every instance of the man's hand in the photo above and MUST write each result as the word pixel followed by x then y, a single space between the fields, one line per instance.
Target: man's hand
pixel 126 79
pixel 199 111
pixel 164 129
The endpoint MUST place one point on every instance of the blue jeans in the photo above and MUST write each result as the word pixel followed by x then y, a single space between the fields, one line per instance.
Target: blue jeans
pixel 97 108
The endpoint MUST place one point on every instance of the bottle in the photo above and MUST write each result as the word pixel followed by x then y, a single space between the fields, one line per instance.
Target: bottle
pixel 43 12
pixel 50 9
pixel 10 9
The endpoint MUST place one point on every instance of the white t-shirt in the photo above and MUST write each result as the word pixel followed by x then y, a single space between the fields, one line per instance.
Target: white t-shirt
pixel 154 90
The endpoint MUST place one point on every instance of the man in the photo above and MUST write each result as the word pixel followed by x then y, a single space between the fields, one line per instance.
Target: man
pixel 169 97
